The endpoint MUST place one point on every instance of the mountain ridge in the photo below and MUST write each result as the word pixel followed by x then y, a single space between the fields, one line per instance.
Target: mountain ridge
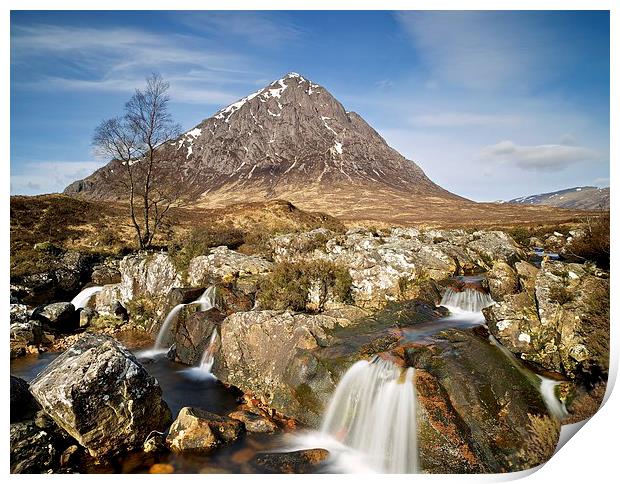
pixel 580 198
pixel 284 138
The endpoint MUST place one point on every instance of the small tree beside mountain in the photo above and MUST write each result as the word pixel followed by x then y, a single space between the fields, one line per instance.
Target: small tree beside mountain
pixel 136 140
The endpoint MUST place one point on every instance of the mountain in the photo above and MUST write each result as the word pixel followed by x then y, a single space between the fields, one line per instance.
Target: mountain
pixel 290 140
pixel 578 198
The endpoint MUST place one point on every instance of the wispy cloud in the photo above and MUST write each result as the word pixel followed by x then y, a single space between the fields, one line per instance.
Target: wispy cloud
pixel 440 120
pixel 479 49
pixel 541 157
pixel 118 59
pixel 260 28
pixel 49 176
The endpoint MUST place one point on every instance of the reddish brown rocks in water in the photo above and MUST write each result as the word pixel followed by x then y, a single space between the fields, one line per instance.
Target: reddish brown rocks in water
pixel 198 431
pixel 296 462
pixel 255 421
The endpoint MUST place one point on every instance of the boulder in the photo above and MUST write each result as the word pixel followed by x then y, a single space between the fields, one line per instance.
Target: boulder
pixel 86 316
pixel 198 431
pixel 494 245
pixel 560 320
pixel 295 462
pixel 191 334
pixel 502 280
pixel 32 450
pixel 60 316
pixel 254 422
pixel 102 396
pixel 24 335
pixel 37 445
pixel 268 354
pixel 105 274
pixel 147 275
pixel 19 313
pixel 23 405
pixel 474 404
pixel 225 265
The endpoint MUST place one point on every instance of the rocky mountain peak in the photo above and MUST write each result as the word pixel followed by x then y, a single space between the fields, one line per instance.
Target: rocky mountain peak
pixel 279 140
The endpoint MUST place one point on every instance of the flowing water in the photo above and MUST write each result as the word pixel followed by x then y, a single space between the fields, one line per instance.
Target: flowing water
pixel 206 301
pixel 203 370
pixel 81 300
pixel 467 300
pixel 179 389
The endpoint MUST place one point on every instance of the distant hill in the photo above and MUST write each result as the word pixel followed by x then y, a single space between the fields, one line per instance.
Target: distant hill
pixel 578 198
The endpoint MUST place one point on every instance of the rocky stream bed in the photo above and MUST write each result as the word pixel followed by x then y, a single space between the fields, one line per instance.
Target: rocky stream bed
pixel 449 352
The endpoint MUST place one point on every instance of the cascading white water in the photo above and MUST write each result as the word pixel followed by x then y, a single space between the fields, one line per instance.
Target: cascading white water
pixel 206 302
pixel 373 410
pixel 546 387
pixel 81 300
pixel 465 301
pixel 208 357
pixel 547 390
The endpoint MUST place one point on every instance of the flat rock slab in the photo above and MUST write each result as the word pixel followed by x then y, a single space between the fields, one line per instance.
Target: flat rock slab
pixel 102 396
pixel 198 431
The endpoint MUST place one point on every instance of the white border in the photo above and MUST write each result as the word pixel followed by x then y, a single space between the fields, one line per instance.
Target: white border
pixel 591 457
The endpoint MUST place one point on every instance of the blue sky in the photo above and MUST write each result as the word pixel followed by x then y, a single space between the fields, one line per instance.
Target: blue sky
pixel 492 105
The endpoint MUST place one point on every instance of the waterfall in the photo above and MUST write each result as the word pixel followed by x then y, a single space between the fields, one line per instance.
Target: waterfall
pixel 81 300
pixel 208 357
pixel 203 370
pixel 206 301
pixel 546 386
pixel 373 410
pixel 465 301
pixel 547 390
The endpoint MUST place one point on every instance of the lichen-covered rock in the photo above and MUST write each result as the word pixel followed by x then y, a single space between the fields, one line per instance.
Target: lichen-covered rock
pixel 198 431
pixel 491 246
pixel 107 273
pixel 104 301
pixel 268 354
pixel 102 396
pixel 191 334
pixel 502 280
pixel 147 275
pixel 32 450
pixel 474 404
pixel 24 335
pixel 19 313
pixel 559 321
pixel 225 265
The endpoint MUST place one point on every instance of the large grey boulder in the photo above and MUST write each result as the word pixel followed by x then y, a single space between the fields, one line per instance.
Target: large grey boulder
pixel 266 354
pixel 102 396
pixel 147 275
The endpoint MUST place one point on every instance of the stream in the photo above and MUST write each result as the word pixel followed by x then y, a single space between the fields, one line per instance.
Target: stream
pixel 374 391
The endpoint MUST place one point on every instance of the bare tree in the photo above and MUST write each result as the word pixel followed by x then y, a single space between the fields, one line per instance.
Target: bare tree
pixel 137 141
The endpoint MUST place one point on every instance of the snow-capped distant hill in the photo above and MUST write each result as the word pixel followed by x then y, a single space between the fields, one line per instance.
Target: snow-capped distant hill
pixel 581 198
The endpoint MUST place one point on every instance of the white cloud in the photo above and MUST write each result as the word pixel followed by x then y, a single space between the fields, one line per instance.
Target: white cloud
pixel 540 157
pixel 463 119
pixel 49 176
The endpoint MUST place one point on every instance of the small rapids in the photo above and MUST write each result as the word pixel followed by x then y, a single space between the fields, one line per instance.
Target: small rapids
pixel 206 302
pixel 203 370
pixel 373 411
pixel 465 301
pixel 81 300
